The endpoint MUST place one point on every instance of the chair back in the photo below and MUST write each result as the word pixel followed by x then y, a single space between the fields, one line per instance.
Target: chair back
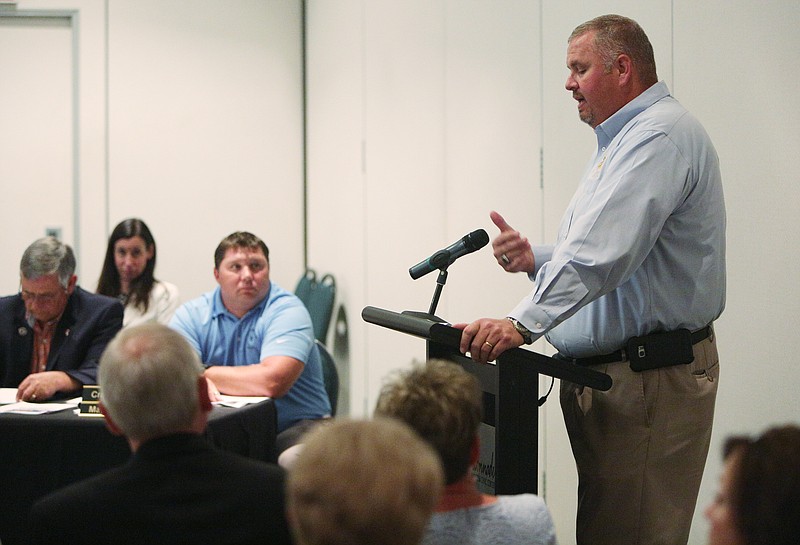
pixel 318 296
pixel 330 375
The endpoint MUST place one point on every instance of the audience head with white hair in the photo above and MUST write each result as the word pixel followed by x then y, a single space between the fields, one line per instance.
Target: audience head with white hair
pixel 151 385
pixel 359 482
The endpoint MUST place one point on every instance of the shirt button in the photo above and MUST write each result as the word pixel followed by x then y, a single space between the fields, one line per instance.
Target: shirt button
pixel 538 325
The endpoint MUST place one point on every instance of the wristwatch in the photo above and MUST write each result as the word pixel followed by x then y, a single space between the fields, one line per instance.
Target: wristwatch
pixel 527 336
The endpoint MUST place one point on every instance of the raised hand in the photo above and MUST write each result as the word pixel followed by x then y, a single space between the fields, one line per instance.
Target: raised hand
pixel 512 251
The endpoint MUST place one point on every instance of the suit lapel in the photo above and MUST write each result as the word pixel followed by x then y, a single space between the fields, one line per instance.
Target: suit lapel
pixel 63 329
pixel 22 341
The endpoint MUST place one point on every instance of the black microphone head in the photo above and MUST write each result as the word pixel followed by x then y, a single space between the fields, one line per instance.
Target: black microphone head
pixel 476 240
pixel 443 258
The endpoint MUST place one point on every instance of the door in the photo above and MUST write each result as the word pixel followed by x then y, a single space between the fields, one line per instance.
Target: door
pixel 38 179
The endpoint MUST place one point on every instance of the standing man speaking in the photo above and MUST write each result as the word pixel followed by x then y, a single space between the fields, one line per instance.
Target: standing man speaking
pixel 631 288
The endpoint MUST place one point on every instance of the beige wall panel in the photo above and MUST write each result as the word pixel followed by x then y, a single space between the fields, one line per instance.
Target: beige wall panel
pixel 731 59
pixel 205 130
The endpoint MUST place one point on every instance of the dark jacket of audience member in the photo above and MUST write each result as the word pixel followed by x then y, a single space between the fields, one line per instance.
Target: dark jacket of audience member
pixel 177 488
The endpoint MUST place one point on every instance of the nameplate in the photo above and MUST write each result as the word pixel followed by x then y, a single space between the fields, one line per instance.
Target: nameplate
pixel 90 401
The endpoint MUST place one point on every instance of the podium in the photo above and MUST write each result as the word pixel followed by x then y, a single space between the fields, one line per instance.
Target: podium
pixel 509 432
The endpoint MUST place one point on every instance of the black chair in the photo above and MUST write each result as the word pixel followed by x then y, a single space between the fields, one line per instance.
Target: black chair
pixel 330 375
pixel 318 296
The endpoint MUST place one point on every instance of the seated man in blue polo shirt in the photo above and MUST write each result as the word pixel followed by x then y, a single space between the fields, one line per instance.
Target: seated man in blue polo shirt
pixel 255 338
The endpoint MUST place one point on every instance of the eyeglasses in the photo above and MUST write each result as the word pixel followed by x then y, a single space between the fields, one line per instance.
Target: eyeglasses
pixel 42 298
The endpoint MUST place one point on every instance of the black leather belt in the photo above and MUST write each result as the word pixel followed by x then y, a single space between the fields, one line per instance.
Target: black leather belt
pixel 620 355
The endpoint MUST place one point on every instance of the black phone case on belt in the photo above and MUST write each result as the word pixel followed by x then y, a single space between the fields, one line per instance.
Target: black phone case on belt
pixel 660 350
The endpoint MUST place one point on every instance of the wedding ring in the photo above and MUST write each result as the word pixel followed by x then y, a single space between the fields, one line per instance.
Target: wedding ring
pixel 504 259
pixel 490 345
pixel 33 396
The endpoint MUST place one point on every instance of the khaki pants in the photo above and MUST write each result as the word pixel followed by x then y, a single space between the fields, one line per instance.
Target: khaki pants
pixel 640 449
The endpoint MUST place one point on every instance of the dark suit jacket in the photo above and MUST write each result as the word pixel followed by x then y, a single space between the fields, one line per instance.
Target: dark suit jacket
pixel 88 323
pixel 175 489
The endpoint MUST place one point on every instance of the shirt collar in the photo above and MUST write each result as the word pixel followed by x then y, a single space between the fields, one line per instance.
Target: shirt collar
pixel 608 129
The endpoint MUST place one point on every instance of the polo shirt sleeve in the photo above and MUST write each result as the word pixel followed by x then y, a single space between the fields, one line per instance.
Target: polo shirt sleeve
pixel 287 330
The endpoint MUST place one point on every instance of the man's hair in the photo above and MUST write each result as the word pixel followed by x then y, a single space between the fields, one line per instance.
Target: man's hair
pixel 765 485
pixel 148 381
pixel 359 482
pixel 239 239
pixel 443 403
pixel 48 256
pixel 616 35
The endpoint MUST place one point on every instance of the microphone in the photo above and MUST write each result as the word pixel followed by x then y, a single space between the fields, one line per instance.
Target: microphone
pixel 443 258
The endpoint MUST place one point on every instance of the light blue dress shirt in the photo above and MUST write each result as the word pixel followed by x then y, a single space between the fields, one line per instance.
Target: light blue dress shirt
pixel 278 326
pixel 641 246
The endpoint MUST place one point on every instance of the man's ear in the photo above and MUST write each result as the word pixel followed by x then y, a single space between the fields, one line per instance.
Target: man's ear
pixel 624 66
pixel 73 280
pixel 112 427
pixel 202 392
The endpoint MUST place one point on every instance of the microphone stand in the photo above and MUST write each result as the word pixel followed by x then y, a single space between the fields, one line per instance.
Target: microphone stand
pixel 440 260
pixel 440 282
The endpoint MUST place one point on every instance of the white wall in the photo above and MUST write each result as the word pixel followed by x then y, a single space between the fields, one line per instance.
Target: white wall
pixel 191 118
pixel 423 116
pixel 205 129
pixel 729 60
pixel 422 102
pixel 36 99
pixel 53 170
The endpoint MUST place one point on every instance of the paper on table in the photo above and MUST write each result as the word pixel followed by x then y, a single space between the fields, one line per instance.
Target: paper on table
pixel 23 407
pixel 238 401
pixel 8 395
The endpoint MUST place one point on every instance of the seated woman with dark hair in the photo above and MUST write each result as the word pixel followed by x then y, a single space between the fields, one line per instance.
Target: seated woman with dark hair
pixel 128 275
pixel 758 502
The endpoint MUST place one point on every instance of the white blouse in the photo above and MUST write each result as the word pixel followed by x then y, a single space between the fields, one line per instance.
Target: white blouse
pixel 164 300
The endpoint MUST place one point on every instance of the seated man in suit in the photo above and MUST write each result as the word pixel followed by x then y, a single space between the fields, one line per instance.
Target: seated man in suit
pixel 256 339
pixel 52 332
pixel 443 403
pixel 177 488
pixel 360 482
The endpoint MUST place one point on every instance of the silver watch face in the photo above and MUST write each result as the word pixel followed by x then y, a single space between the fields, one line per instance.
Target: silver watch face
pixel 524 331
